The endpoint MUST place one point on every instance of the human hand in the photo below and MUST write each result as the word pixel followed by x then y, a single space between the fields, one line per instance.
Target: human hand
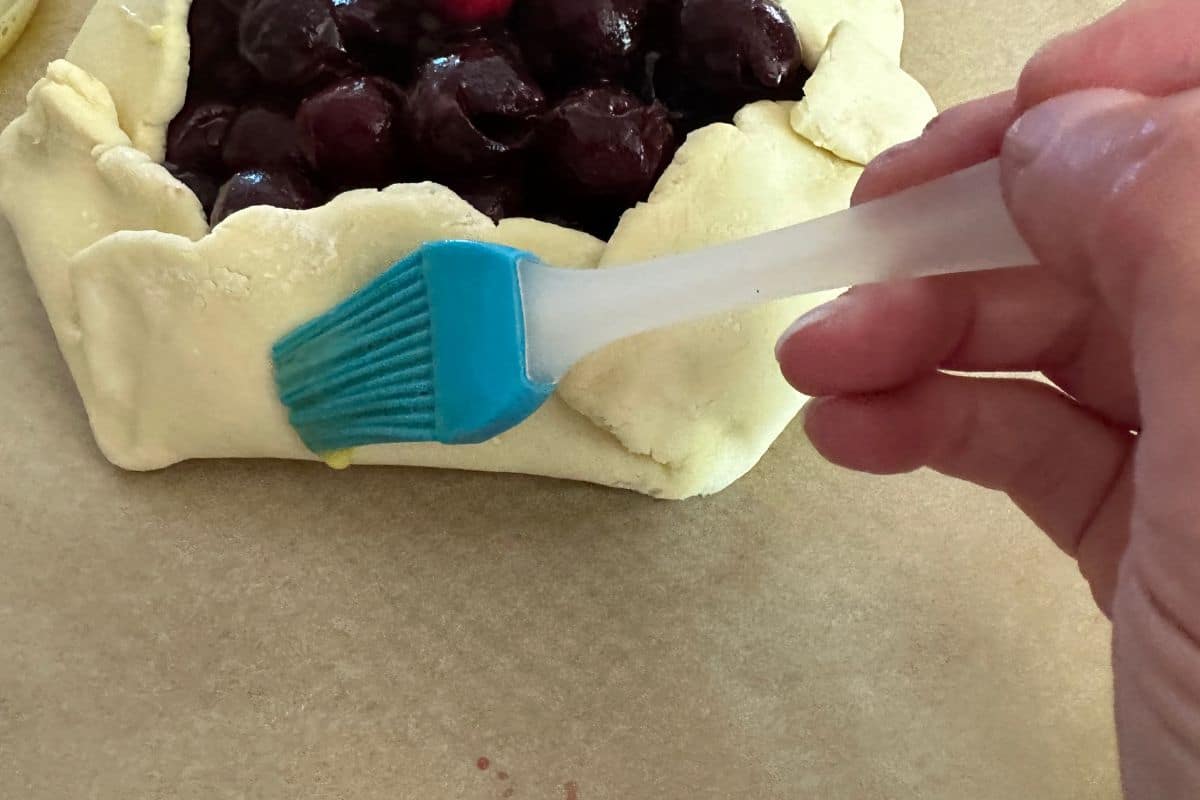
pixel 1102 183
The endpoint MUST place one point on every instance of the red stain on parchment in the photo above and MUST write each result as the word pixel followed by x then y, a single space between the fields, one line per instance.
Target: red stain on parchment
pixel 483 763
pixel 572 790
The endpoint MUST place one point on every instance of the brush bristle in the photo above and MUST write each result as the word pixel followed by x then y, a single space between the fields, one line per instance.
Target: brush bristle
pixel 363 372
pixel 433 350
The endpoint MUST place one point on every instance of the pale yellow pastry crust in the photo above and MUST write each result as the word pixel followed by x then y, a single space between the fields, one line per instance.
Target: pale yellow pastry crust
pixel 167 326
pixel 14 17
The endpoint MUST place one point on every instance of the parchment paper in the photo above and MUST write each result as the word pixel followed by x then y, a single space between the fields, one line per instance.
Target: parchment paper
pixel 270 630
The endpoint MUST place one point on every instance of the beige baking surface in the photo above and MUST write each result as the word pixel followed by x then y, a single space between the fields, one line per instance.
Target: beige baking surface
pixel 270 630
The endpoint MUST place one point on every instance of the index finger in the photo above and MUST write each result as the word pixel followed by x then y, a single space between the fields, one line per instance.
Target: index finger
pixel 956 139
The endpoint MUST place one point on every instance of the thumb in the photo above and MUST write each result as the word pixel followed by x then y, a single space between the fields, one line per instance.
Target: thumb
pixel 1101 183
pixel 1065 165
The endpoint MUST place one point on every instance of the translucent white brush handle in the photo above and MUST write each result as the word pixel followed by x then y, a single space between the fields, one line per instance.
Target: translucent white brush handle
pixel 954 224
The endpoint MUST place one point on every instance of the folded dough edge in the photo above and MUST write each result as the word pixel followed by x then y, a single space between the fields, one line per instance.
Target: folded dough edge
pixel 166 327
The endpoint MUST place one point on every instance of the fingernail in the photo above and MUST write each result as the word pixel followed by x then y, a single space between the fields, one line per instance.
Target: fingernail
pixel 933 123
pixel 1040 128
pixel 1032 134
pixel 819 314
pixel 894 152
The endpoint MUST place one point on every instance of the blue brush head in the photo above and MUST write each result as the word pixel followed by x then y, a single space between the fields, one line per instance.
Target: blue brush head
pixel 433 350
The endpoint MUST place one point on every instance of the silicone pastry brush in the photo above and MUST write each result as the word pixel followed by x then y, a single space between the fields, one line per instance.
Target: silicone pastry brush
pixel 461 341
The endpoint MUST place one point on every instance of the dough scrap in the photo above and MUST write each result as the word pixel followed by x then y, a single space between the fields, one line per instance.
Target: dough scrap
pixel 727 182
pixel 149 78
pixel 70 177
pixel 166 326
pixel 858 102
pixel 14 17
pixel 881 21
pixel 177 332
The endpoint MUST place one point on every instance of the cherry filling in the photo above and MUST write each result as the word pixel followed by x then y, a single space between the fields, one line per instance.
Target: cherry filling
pixel 282 187
pixel 572 43
pixel 349 132
pixel 292 43
pixel 262 137
pixel 568 110
pixel 472 109
pixel 601 151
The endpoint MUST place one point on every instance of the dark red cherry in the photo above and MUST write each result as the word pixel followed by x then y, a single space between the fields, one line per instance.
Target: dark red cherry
pixel 292 43
pixel 739 50
pixel 660 22
pixel 217 70
pixel 262 137
pixel 394 22
pixel 212 30
pixel 472 107
pixel 204 186
pixel 605 143
pixel 394 37
pixel 349 131
pixel 281 187
pixel 473 12
pixel 235 6
pixel 497 196
pixel 403 22
pixel 229 78
pixel 568 42
pixel 196 137
pixel 599 218
pixel 400 34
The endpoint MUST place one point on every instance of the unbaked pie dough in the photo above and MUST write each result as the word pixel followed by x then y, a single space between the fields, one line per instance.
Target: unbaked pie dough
pixel 167 325
pixel 14 16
